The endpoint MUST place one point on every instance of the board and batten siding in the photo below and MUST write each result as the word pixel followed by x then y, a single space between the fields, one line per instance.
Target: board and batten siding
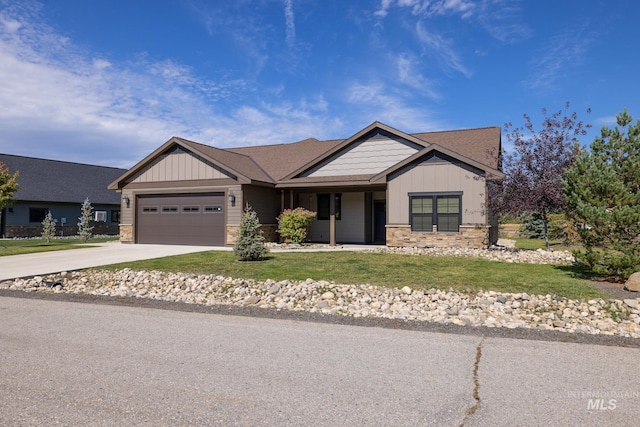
pixel 433 178
pixel 179 166
pixel 349 229
pixel 370 156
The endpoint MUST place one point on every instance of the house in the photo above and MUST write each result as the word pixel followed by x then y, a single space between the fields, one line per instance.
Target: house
pixel 59 187
pixel 380 186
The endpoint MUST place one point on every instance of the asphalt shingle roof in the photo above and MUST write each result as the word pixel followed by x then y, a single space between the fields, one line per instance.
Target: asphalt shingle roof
pixel 65 182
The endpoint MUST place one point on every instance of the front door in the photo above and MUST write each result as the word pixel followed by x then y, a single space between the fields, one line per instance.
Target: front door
pixel 380 222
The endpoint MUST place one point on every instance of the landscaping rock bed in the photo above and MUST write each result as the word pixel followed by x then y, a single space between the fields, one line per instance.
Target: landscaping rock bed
pixel 483 308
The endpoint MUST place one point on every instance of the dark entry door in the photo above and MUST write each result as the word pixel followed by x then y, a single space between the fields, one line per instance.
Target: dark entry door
pixel 181 219
pixel 380 221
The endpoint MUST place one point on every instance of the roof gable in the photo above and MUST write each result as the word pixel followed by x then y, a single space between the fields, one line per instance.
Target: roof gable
pixel 348 150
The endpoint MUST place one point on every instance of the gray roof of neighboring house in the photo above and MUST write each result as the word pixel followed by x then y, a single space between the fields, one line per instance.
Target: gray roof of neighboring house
pixel 42 180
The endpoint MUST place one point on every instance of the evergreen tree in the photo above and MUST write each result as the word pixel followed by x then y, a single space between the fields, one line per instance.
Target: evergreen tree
pixel 250 244
pixel 84 224
pixel 48 227
pixel 603 193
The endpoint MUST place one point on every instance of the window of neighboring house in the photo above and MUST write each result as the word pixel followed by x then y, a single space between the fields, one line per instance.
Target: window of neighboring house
pixel 37 214
pixel 324 206
pixel 115 215
pixel 443 211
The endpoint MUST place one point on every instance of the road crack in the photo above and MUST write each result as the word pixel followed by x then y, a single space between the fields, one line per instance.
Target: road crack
pixel 476 385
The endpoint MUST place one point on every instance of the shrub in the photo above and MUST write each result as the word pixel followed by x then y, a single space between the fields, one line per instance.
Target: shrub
pixel 250 244
pixel 293 224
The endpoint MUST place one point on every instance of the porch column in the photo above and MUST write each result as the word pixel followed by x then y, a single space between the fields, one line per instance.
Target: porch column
pixel 332 219
pixel 281 200
pixel 290 199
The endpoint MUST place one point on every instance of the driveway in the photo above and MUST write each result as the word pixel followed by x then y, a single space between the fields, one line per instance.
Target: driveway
pixel 99 254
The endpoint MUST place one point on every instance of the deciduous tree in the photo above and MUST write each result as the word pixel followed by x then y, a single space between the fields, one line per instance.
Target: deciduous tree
pixel 535 168
pixel 8 186
pixel 603 193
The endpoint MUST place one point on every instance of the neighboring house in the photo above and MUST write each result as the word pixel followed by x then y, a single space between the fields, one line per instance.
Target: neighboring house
pixel 59 187
pixel 379 186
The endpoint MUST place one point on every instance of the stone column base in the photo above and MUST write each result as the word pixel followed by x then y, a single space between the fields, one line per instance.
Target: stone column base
pixel 126 233
pixel 469 236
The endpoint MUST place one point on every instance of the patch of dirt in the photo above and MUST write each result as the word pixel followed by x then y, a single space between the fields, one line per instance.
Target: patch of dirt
pixel 615 290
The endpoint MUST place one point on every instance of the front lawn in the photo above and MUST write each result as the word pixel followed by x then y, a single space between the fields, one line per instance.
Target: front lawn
pixel 29 246
pixel 418 272
pixel 533 244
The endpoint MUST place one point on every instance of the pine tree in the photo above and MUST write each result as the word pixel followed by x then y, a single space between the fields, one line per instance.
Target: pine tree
pixel 84 224
pixel 250 244
pixel 603 193
pixel 48 227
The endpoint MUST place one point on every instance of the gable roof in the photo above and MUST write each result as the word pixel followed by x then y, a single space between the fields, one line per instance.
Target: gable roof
pixel 283 163
pixel 42 180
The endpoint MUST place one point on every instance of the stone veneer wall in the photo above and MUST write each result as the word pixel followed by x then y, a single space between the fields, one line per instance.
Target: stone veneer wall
pixel 468 237
pixel 126 233
pixel 268 230
pixel 68 230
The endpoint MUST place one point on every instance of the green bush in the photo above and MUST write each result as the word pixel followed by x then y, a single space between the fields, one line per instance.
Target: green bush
pixel 250 244
pixel 293 224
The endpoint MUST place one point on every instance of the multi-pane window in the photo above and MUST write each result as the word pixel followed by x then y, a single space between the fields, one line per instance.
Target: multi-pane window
pixel 37 214
pixel 441 211
pixel 324 206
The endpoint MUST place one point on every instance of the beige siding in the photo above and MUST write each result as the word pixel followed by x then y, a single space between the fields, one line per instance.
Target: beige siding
pixel 179 166
pixel 438 177
pixel 350 229
pixel 370 156
pixel 264 201
pixel 126 214
pixel 234 213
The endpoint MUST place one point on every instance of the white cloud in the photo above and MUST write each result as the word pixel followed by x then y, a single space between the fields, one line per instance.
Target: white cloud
pixel 375 101
pixel 290 23
pixel 562 55
pixel 58 101
pixel 443 50
pixel 408 75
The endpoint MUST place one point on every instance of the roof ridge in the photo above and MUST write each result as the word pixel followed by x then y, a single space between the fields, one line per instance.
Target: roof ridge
pixel 456 130
pixel 61 161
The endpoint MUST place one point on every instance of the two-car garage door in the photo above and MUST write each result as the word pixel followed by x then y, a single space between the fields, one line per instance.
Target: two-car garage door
pixel 181 219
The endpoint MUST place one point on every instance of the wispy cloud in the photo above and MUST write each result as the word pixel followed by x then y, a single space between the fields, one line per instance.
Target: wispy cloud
pixel 62 102
pixel 290 23
pixel 443 49
pixel 408 74
pixel 380 102
pixel 503 20
pixel 562 55
pixel 464 8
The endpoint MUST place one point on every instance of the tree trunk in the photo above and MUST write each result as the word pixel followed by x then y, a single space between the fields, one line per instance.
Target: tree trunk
pixel 545 222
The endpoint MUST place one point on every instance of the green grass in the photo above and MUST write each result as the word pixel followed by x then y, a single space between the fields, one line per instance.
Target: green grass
pixel 533 244
pixel 29 246
pixel 417 272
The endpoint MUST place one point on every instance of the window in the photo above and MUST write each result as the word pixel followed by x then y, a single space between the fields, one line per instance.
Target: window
pixel 115 215
pixel 37 214
pixel 212 209
pixel 169 209
pixel 442 211
pixel 192 209
pixel 324 206
pixel 150 209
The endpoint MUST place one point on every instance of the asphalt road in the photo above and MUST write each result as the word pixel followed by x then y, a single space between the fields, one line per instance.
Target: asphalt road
pixel 91 364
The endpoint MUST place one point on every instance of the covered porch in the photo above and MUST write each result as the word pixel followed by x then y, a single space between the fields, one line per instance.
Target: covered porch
pixel 344 215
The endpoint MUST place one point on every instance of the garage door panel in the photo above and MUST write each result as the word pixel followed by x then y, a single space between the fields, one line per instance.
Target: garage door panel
pixel 185 219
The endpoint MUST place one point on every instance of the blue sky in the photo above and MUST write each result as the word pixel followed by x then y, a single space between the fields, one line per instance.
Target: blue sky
pixel 107 82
